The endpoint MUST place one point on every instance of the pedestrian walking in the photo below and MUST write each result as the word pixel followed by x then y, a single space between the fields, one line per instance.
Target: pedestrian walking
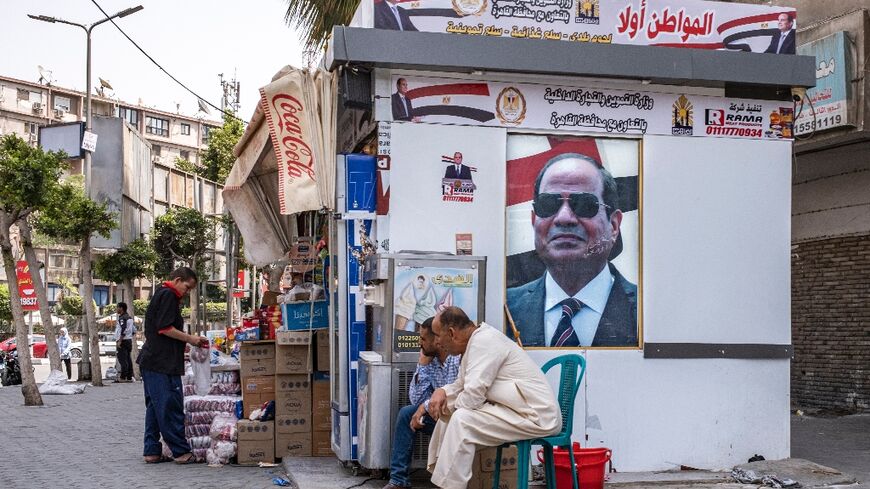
pixel 125 331
pixel 161 363
pixel 63 343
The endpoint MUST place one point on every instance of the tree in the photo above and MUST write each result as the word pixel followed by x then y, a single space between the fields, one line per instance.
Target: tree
pixel 218 157
pixel 314 19
pixel 27 175
pixel 5 310
pixel 73 217
pixel 135 260
pixel 182 237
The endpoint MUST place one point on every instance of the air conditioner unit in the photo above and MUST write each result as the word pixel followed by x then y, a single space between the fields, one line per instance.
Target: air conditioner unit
pixel 157 159
pixel 37 107
pixel 58 113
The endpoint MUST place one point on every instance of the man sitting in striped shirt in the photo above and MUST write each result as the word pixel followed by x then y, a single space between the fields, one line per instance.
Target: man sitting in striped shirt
pixel 435 369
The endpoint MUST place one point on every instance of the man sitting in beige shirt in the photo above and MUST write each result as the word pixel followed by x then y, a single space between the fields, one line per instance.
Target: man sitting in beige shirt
pixel 500 396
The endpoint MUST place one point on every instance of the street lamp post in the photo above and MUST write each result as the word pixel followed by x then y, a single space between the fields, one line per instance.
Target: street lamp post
pixel 85 365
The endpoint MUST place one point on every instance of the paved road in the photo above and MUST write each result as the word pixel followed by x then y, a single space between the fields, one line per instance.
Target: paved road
pixel 94 440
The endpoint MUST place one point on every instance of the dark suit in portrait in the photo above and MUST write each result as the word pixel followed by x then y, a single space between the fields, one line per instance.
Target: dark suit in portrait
pixel 788 45
pixel 385 18
pixel 463 174
pixel 617 327
pixel 402 110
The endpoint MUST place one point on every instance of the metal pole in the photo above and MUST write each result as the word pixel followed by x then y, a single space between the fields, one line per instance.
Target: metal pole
pixel 88 125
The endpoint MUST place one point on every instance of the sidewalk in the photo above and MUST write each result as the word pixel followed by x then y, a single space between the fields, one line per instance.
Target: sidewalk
pixel 95 440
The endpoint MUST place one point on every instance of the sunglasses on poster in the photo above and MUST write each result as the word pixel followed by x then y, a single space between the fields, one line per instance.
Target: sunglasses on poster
pixel 583 204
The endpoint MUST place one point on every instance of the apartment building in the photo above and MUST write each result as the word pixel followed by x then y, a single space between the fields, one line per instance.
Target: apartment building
pixel 26 106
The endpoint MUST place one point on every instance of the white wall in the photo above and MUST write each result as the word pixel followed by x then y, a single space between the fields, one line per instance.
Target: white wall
pixel 716 242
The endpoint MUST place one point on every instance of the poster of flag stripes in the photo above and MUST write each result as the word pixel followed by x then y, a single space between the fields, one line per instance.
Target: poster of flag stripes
pixel 695 24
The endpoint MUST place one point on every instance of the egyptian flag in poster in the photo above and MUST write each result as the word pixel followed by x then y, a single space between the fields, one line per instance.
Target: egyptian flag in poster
pixel 527 154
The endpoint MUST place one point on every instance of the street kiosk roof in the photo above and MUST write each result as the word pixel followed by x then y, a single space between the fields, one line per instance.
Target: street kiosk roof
pixel 659 65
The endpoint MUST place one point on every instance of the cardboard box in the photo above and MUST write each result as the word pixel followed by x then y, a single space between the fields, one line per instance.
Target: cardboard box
pixel 294 423
pixel 257 351
pixel 293 338
pixel 256 441
pixel 296 402
pixel 321 444
pixel 292 382
pixel 252 401
pixel 269 298
pixel 257 368
pixel 293 444
pixel 321 405
pixel 322 356
pixel 293 359
pixel 484 465
pixel 299 316
pixel 258 384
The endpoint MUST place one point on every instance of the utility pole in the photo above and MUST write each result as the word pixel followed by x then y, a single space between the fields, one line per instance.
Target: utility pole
pixel 85 366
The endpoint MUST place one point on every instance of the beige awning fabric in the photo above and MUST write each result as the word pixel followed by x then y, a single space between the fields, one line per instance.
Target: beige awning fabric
pixel 297 115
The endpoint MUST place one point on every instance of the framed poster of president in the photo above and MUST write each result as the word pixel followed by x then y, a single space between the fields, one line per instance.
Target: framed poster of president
pixel 573 234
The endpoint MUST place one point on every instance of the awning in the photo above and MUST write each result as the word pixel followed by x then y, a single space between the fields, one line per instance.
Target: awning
pixel 296 114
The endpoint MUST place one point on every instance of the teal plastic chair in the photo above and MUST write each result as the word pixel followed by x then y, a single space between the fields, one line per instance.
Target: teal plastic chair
pixel 573 368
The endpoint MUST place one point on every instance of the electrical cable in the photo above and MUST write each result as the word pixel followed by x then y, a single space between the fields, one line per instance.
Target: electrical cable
pixel 176 80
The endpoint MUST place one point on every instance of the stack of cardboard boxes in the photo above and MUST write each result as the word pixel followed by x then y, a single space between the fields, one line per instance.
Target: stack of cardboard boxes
pixel 293 402
pixel 294 371
pixel 256 439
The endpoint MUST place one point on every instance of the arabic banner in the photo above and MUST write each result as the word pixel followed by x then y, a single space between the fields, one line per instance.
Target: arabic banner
pixel 688 23
pixel 26 290
pixel 555 107
pixel 832 93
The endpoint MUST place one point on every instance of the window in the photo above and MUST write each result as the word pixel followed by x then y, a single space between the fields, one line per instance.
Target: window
pixel 157 126
pixel 63 261
pixel 185 155
pixel 62 103
pixel 155 149
pixel 185 129
pixel 52 292
pixel 24 94
pixel 205 132
pixel 101 295
pixel 129 115
pixel 31 128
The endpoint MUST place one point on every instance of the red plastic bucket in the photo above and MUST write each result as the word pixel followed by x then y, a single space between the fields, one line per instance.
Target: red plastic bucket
pixel 590 464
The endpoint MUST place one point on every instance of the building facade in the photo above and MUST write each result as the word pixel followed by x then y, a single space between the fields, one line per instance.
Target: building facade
pixel 26 106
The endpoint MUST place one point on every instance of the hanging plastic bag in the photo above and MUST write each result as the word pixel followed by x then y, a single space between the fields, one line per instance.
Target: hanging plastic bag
pixel 200 363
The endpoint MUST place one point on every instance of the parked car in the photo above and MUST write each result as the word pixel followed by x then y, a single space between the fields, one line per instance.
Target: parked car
pixel 37 343
pixel 107 345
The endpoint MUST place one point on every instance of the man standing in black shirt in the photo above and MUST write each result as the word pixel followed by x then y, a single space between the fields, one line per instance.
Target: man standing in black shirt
pixel 161 362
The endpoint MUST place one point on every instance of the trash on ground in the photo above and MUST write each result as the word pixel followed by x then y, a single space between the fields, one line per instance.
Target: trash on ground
pixel 57 383
pixel 770 480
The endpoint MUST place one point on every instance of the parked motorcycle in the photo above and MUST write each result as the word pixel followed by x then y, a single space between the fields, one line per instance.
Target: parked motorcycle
pixel 10 370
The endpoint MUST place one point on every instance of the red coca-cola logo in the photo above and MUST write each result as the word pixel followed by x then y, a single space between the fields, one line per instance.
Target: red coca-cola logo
pixel 297 153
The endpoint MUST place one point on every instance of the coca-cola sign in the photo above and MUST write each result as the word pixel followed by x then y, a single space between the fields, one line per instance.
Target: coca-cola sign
pixel 26 290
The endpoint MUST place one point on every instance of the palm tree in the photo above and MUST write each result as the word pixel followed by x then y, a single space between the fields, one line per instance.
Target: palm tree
pixel 315 18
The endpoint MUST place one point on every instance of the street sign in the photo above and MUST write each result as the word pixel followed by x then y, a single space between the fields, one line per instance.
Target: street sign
pixel 26 291
pixel 89 141
pixel 240 285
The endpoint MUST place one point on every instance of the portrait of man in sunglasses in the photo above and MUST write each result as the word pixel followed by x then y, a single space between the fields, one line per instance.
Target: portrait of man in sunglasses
pixel 581 299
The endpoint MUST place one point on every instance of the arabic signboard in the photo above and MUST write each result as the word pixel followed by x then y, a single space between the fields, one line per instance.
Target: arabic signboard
pixel 26 290
pixel 240 284
pixel 89 141
pixel 553 107
pixel 688 23
pixel 421 292
pixel 830 96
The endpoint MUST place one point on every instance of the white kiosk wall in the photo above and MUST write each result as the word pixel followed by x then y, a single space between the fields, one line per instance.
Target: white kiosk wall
pixel 716 241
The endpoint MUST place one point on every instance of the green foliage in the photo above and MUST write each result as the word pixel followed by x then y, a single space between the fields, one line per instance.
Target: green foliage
pixel 186 165
pixel 5 306
pixel 72 305
pixel 314 19
pixel 214 311
pixel 218 157
pixel 72 217
pixel 140 306
pixel 133 261
pixel 215 293
pixel 27 176
pixel 181 235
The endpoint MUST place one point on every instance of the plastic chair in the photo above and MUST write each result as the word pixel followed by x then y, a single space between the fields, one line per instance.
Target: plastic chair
pixel 573 368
